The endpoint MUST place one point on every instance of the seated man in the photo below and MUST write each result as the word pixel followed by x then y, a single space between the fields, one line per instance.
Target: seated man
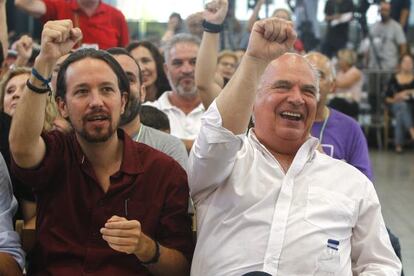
pixel 11 254
pixel 105 204
pixel 271 201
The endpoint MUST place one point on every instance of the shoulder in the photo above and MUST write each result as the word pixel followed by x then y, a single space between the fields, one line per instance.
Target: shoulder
pixel 338 171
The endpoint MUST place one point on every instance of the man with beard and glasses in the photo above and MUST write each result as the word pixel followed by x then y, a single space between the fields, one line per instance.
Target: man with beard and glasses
pixel 183 104
pixel 106 205
pixel 130 119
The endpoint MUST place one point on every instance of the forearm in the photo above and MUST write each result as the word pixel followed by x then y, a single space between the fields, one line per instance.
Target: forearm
pixel 253 18
pixel 404 17
pixel 3 29
pixel 171 262
pixel 8 265
pixel 206 68
pixel 29 118
pixel 235 102
pixel 36 8
pixel 403 49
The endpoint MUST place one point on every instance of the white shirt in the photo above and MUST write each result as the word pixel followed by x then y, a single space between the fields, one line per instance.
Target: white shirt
pixel 182 126
pixel 251 216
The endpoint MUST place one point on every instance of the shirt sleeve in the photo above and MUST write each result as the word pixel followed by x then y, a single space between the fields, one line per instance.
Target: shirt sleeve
pixel 176 149
pixel 399 34
pixel 372 253
pixel 38 178
pixel 213 155
pixel 9 239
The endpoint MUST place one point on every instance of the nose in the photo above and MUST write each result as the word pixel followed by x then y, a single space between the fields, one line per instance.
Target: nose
pixel 187 68
pixel 295 96
pixel 95 99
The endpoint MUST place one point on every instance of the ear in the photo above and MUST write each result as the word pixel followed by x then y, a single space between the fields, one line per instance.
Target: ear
pixel 62 107
pixel 124 101
pixel 143 93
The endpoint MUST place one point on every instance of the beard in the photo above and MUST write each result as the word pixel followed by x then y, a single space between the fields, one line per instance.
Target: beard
pixel 98 134
pixel 132 110
pixel 181 90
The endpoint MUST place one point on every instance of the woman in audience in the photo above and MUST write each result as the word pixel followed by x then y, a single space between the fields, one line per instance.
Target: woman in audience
pixel 400 95
pixel 226 64
pixel 349 83
pixel 11 88
pixel 151 63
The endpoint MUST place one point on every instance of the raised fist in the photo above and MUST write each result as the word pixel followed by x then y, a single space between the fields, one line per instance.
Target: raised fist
pixel 215 11
pixel 24 47
pixel 271 38
pixel 58 38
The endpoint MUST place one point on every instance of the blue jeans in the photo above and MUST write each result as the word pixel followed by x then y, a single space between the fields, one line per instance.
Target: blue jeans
pixel 403 120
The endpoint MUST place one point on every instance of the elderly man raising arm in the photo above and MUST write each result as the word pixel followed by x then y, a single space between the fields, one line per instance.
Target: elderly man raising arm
pixel 270 201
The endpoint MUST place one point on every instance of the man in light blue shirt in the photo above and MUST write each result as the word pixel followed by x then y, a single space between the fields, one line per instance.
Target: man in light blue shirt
pixel 11 253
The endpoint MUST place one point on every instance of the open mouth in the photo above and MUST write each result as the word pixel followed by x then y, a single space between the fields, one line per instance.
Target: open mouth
pixel 293 116
pixel 93 118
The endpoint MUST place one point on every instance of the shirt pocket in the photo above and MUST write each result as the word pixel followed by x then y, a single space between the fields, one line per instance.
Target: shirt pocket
pixel 331 212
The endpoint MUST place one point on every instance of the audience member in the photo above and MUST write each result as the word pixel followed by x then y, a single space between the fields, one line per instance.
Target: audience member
pixel 226 64
pixel 182 105
pixel 155 118
pixel 340 136
pixel 307 24
pixel 151 63
pixel 11 253
pixel 131 120
pixel 102 25
pixel 279 13
pixel 126 213
pixel 274 201
pixel 400 12
pixel 338 14
pixel 174 26
pixel 389 41
pixel 11 89
pixel 400 95
pixel 194 24
pixel 349 81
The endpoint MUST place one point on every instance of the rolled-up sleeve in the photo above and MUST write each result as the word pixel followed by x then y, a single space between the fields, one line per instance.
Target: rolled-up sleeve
pixel 9 239
pixel 213 155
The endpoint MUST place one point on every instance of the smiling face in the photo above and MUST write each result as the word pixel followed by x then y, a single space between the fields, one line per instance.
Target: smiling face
pixel 180 67
pixel 147 64
pixel 93 101
pixel 13 92
pixel 285 106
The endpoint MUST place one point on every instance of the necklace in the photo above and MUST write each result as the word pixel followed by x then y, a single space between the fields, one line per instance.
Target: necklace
pixel 324 125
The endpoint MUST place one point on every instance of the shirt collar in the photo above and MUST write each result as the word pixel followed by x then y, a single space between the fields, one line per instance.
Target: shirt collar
pixel 306 152
pixel 166 104
pixel 101 8
pixel 131 161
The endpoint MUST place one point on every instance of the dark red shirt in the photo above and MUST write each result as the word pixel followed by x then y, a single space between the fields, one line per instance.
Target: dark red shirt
pixel 106 27
pixel 72 207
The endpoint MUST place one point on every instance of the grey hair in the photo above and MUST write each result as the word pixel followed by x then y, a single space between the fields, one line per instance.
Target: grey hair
pixel 315 73
pixel 179 38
